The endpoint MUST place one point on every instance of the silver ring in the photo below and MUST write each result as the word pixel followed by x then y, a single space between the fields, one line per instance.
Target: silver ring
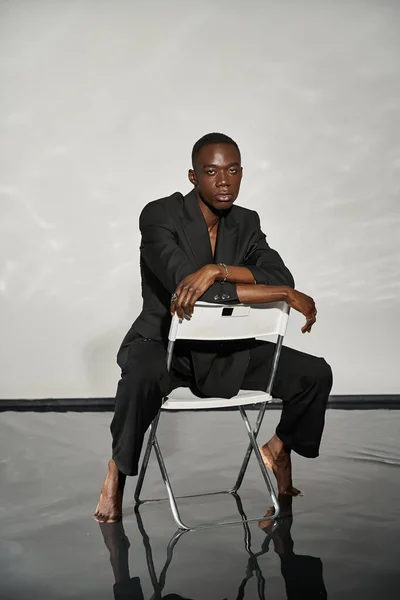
pixel 174 296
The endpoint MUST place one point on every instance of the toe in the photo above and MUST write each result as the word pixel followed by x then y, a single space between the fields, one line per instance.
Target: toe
pixel 99 518
pixel 114 519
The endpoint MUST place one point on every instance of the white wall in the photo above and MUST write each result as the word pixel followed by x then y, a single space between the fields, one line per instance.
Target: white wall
pixel 100 104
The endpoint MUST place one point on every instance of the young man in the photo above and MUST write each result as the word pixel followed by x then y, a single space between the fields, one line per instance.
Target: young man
pixel 202 246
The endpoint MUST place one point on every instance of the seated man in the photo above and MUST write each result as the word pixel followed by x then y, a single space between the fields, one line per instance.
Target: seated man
pixel 202 247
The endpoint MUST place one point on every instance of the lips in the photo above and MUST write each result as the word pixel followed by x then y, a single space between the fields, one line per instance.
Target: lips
pixel 224 197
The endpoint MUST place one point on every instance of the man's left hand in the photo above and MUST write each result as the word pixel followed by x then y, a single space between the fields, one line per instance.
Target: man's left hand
pixel 192 288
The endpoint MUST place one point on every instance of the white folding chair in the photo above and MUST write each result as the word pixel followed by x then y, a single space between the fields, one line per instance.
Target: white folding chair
pixel 221 322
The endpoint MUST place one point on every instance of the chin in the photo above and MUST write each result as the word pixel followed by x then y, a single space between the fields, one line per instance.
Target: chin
pixel 223 205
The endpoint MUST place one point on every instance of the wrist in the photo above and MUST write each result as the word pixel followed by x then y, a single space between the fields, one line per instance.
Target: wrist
pixel 219 273
pixel 287 292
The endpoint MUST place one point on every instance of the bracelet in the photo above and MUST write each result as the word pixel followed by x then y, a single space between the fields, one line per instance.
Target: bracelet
pixel 226 272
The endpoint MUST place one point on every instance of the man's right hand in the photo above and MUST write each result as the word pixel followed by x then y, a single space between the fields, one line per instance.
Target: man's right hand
pixel 303 304
pixel 192 287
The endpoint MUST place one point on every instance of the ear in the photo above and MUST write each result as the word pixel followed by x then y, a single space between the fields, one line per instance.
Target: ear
pixel 192 177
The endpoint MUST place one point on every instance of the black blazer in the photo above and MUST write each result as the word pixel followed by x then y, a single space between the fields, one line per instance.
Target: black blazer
pixel 175 243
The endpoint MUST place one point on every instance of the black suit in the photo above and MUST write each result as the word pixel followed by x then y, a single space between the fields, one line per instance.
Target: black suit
pixel 175 243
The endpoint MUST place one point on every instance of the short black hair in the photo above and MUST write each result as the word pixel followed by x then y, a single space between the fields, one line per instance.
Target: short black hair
pixel 212 138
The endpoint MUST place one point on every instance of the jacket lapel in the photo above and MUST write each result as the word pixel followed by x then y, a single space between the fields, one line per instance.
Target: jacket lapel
pixel 195 229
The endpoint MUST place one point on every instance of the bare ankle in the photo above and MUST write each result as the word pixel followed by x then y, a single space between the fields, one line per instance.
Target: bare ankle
pixel 112 467
pixel 275 445
pixel 115 472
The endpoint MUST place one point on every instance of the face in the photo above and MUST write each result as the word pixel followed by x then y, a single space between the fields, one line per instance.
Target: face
pixel 216 175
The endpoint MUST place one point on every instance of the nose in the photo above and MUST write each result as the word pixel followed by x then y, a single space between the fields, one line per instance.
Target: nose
pixel 222 179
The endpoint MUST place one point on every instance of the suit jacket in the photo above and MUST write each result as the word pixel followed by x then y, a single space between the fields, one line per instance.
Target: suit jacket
pixel 175 243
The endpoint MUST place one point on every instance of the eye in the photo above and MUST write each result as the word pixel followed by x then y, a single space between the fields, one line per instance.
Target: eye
pixel 233 171
pixel 210 171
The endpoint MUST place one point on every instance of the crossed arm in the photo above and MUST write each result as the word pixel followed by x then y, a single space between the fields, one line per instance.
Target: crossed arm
pixel 190 289
pixel 262 266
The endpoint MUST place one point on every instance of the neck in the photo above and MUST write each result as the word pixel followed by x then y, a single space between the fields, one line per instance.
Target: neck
pixel 211 216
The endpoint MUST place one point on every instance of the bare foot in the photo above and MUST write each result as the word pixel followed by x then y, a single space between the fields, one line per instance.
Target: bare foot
pixel 277 459
pixel 285 503
pixel 109 508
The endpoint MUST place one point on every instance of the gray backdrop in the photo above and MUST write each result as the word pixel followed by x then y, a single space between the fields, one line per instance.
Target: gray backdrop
pixel 101 102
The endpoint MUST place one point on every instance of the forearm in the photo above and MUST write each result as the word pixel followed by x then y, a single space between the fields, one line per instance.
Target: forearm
pixel 235 274
pixel 262 294
pixel 259 294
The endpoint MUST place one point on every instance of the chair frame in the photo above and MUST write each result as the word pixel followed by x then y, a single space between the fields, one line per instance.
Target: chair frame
pixel 252 447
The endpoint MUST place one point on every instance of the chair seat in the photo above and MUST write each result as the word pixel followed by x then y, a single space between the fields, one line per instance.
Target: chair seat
pixel 183 399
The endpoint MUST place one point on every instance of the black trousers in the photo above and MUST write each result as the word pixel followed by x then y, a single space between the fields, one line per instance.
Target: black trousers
pixel 302 381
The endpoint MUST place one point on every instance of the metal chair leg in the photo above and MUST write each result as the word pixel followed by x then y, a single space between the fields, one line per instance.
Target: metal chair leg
pixel 249 450
pixel 264 470
pixel 171 496
pixel 260 417
pixel 153 442
pixel 146 457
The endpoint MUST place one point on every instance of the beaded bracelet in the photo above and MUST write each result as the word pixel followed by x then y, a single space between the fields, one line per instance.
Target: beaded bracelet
pixel 226 271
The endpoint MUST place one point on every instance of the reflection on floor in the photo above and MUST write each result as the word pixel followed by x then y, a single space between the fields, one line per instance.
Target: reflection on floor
pixel 302 574
pixel 338 541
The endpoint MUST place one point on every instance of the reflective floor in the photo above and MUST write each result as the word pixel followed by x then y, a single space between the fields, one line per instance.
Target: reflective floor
pixel 339 541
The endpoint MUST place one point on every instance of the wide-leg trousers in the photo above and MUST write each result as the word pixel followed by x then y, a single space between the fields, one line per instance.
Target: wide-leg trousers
pixel 302 382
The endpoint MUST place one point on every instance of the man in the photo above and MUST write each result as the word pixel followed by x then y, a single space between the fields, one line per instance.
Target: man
pixel 203 247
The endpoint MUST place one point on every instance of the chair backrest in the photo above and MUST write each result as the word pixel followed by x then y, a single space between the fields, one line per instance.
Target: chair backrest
pixel 231 322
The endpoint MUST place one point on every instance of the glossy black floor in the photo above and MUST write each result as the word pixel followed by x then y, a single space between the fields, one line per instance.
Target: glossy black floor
pixel 340 541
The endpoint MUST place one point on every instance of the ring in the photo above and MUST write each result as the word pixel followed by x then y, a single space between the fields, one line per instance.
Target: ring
pixel 174 296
